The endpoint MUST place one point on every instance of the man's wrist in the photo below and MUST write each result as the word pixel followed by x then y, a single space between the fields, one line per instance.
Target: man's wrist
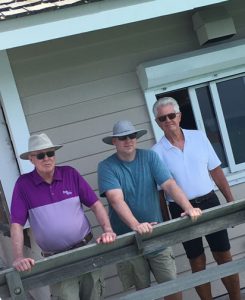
pixel 108 229
pixel 135 225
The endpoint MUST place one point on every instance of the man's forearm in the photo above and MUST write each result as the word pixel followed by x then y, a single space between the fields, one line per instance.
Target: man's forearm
pixel 17 239
pixel 20 263
pixel 220 180
pixel 177 194
pixel 102 216
pixel 115 198
pixel 171 187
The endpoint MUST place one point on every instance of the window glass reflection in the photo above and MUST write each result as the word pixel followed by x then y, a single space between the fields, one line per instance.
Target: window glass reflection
pixel 210 122
pixel 232 97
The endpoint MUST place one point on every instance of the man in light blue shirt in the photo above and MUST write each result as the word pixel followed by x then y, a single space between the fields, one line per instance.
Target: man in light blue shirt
pixel 129 179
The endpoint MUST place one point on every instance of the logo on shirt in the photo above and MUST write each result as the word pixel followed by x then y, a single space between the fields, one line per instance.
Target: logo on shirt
pixel 67 193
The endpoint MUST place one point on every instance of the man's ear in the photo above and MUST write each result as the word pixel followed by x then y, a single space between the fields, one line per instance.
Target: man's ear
pixel 30 158
pixel 158 123
pixel 180 116
pixel 113 141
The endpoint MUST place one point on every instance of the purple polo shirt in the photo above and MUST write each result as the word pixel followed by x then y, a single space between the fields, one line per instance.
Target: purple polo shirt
pixel 54 210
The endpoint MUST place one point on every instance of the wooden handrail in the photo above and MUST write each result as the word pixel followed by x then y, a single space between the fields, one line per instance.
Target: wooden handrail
pixel 188 281
pixel 82 260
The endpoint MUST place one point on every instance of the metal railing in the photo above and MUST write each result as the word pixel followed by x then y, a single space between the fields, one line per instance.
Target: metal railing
pixel 91 257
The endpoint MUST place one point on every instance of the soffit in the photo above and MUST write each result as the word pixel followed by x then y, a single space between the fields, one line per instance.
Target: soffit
pixel 42 20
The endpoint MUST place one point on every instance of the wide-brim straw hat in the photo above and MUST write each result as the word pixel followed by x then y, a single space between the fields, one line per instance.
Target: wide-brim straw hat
pixel 38 142
pixel 122 128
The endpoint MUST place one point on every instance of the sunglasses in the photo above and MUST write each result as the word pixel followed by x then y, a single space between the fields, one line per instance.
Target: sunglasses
pixel 41 155
pixel 169 116
pixel 130 136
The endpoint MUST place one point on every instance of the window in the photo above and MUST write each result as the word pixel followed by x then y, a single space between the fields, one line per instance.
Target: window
pixel 232 99
pixel 222 107
pixel 209 85
pixel 218 108
pixel 210 122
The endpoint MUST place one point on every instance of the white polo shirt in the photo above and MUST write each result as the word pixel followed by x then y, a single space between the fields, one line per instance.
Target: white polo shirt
pixel 190 167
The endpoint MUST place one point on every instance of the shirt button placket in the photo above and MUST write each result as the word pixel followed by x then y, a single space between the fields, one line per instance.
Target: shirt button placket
pixel 51 191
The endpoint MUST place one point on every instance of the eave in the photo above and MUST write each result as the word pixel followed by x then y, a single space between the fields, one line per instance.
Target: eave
pixel 85 18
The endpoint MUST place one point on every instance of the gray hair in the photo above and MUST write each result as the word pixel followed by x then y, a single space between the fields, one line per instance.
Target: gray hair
pixel 165 101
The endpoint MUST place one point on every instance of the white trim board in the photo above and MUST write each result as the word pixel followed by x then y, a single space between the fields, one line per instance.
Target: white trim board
pixel 85 18
pixel 192 65
pixel 9 170
pixel 13 111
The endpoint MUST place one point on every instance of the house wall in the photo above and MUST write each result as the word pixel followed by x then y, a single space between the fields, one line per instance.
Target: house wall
pixel 76 88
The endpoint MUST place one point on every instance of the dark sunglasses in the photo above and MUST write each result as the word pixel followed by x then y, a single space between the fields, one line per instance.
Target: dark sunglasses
pixel 41 155
pixel 130 136
pixel 169 116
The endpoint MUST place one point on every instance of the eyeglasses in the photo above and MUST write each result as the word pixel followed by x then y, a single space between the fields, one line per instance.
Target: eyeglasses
pixel 170 116
pixel 130 136
pixel 41 155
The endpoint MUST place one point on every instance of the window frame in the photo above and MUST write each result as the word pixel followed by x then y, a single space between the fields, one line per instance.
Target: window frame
pixel 222 124
pixel 235 173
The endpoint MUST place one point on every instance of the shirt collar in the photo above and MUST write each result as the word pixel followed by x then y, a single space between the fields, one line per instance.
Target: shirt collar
pixel 166 143
pixel 38 179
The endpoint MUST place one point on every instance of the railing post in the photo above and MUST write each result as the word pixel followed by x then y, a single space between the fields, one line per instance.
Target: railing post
pixel 15 286
pixel 139 242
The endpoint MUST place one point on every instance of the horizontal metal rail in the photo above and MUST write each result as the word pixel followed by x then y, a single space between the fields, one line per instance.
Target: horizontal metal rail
pixel 91 257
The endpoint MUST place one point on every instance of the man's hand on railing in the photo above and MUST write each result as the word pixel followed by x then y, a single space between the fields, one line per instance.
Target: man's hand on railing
pixel 23 264
pixel 193 213
pixel 145 227
pixel 106 238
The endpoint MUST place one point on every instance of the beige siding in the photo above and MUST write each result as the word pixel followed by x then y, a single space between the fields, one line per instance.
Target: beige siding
pixel 75 88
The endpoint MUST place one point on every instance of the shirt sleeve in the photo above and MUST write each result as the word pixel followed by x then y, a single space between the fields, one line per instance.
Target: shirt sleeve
pixel 107 180
pixel 159 169
pixel 19 209
pixel 86 194
pixel 213 160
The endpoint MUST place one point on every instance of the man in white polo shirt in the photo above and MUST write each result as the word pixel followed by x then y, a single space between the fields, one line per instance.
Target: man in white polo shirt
pixel 191 160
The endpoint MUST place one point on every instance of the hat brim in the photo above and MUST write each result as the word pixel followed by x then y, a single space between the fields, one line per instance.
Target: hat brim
pixel 108 139
pixel 25 155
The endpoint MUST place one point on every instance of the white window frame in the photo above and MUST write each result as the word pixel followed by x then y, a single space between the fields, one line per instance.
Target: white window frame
pixel 198 116
pixel 235 173
pixel 224 132
pixel 221 122
pixel 233 167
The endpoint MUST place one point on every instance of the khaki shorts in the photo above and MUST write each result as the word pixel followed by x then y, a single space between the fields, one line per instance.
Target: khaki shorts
pixel 89 286
pixel 136 272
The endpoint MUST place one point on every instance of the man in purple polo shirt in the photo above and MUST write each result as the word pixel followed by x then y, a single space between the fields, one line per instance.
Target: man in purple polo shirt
pixel 51 198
